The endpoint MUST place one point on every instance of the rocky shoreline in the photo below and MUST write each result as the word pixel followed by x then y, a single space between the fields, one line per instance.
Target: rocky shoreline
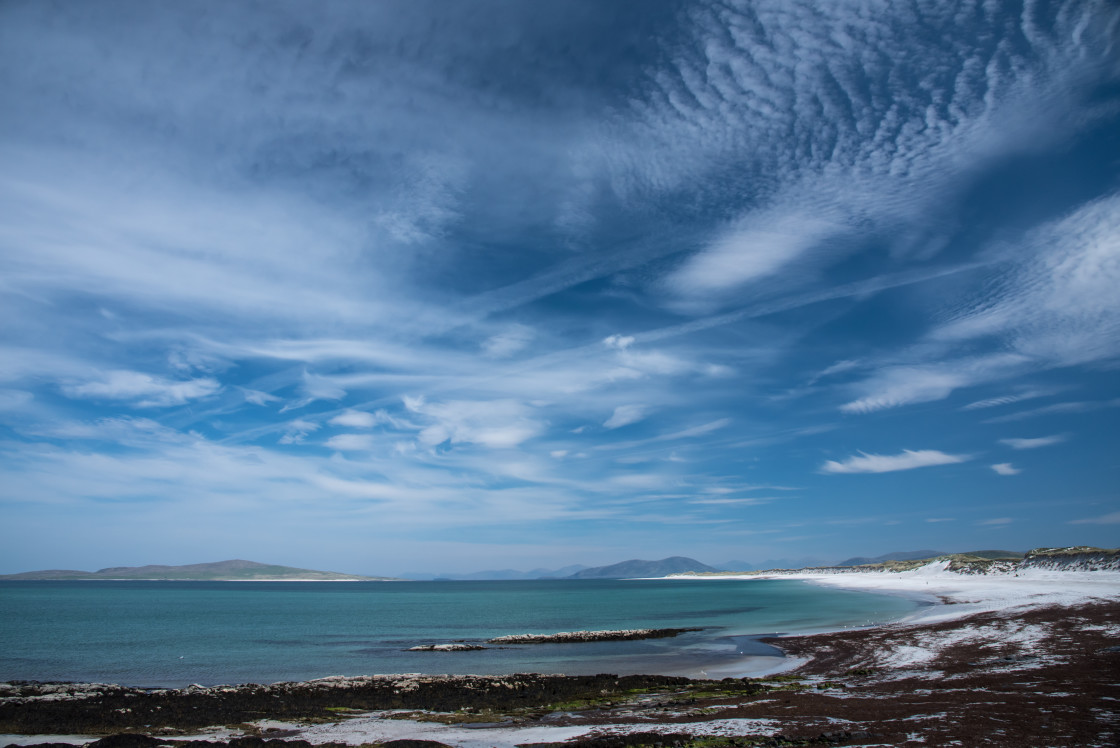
pixel 572 637
pixel 563 637
pixel 1044 676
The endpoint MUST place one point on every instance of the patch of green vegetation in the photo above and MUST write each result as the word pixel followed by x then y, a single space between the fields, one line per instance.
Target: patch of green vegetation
pixel 740 688
pixel 577 705
pixel 1071 551
pixel 830 684
pixel 996 554
pixel 342 709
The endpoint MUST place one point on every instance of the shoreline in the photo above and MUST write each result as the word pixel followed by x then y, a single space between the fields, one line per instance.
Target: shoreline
pixel 1034 676
pixel 943 596
pixel 951 595
pixel 994 660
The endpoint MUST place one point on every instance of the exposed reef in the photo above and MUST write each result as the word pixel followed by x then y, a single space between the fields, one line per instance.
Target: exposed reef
pixel 566 637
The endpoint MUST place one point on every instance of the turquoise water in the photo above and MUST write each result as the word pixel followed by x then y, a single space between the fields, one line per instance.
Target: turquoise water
pixel 176 633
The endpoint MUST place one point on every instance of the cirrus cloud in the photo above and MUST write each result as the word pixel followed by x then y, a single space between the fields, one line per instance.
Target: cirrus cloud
pixel 146 390
pixel 1042 441
pixel 624 415
pixel 907 460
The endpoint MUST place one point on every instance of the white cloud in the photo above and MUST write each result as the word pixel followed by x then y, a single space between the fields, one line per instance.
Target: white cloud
pixel 256 397
pixel 1042 441
pixel 624 415
pixel 939 519
pixel 498 424
pixel 759 246
pixel 317 387
pixel 356 419
pixel 134 432
pixel 621 342
pixel 241 253
pixel 426 201
pixel 1058 303
pixel 296 431
pixel 907 460
pixel 993 402
pixel 897 385
pixel 776 82
pixel 14 399
pixel 1006 468
pixel 558 453
pixel 321 388
pixel 837 368
pixel 1055 306
pixel 996 522
pixel 687 433
pixel 1056 409
pixel 508 342
pixel 146 390
pixel 1106 519
pixel 351 442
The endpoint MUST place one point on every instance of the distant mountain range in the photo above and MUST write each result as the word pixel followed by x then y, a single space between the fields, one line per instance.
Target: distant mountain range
pixel 772 563
pixel 236 570
pixel 637 568
pixel 239 570
pixel 894 556
pixel 499 574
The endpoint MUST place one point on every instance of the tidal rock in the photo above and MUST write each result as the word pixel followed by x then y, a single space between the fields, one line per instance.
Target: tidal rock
pixel 588 636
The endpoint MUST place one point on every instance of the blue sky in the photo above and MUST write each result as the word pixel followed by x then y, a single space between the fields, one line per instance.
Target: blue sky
pixel 435 286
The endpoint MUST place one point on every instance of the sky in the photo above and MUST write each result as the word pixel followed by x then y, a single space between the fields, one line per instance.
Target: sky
pixel 442 287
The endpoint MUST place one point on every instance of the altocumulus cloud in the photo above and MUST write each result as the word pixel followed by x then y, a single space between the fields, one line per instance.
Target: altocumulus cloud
pixel 908 460
pixel 1006 468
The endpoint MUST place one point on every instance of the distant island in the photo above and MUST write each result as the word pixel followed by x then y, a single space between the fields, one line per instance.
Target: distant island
pixel 236 570
pixel 637 568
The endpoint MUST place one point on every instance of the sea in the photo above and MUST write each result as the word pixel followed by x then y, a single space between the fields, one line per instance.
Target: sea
pixel 172 634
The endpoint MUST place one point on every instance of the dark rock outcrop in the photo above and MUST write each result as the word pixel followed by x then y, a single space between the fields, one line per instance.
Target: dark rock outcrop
pixel 29 708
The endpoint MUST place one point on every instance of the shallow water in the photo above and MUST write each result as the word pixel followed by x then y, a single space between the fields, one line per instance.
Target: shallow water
pixel 176 633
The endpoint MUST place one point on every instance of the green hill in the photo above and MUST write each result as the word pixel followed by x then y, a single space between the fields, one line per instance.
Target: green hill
pixel 236 570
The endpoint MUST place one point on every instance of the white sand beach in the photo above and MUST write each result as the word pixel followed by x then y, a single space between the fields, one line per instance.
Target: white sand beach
pixel 959 595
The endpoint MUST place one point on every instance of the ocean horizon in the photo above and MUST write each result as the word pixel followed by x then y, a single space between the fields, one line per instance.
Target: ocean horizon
pixel 175 633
